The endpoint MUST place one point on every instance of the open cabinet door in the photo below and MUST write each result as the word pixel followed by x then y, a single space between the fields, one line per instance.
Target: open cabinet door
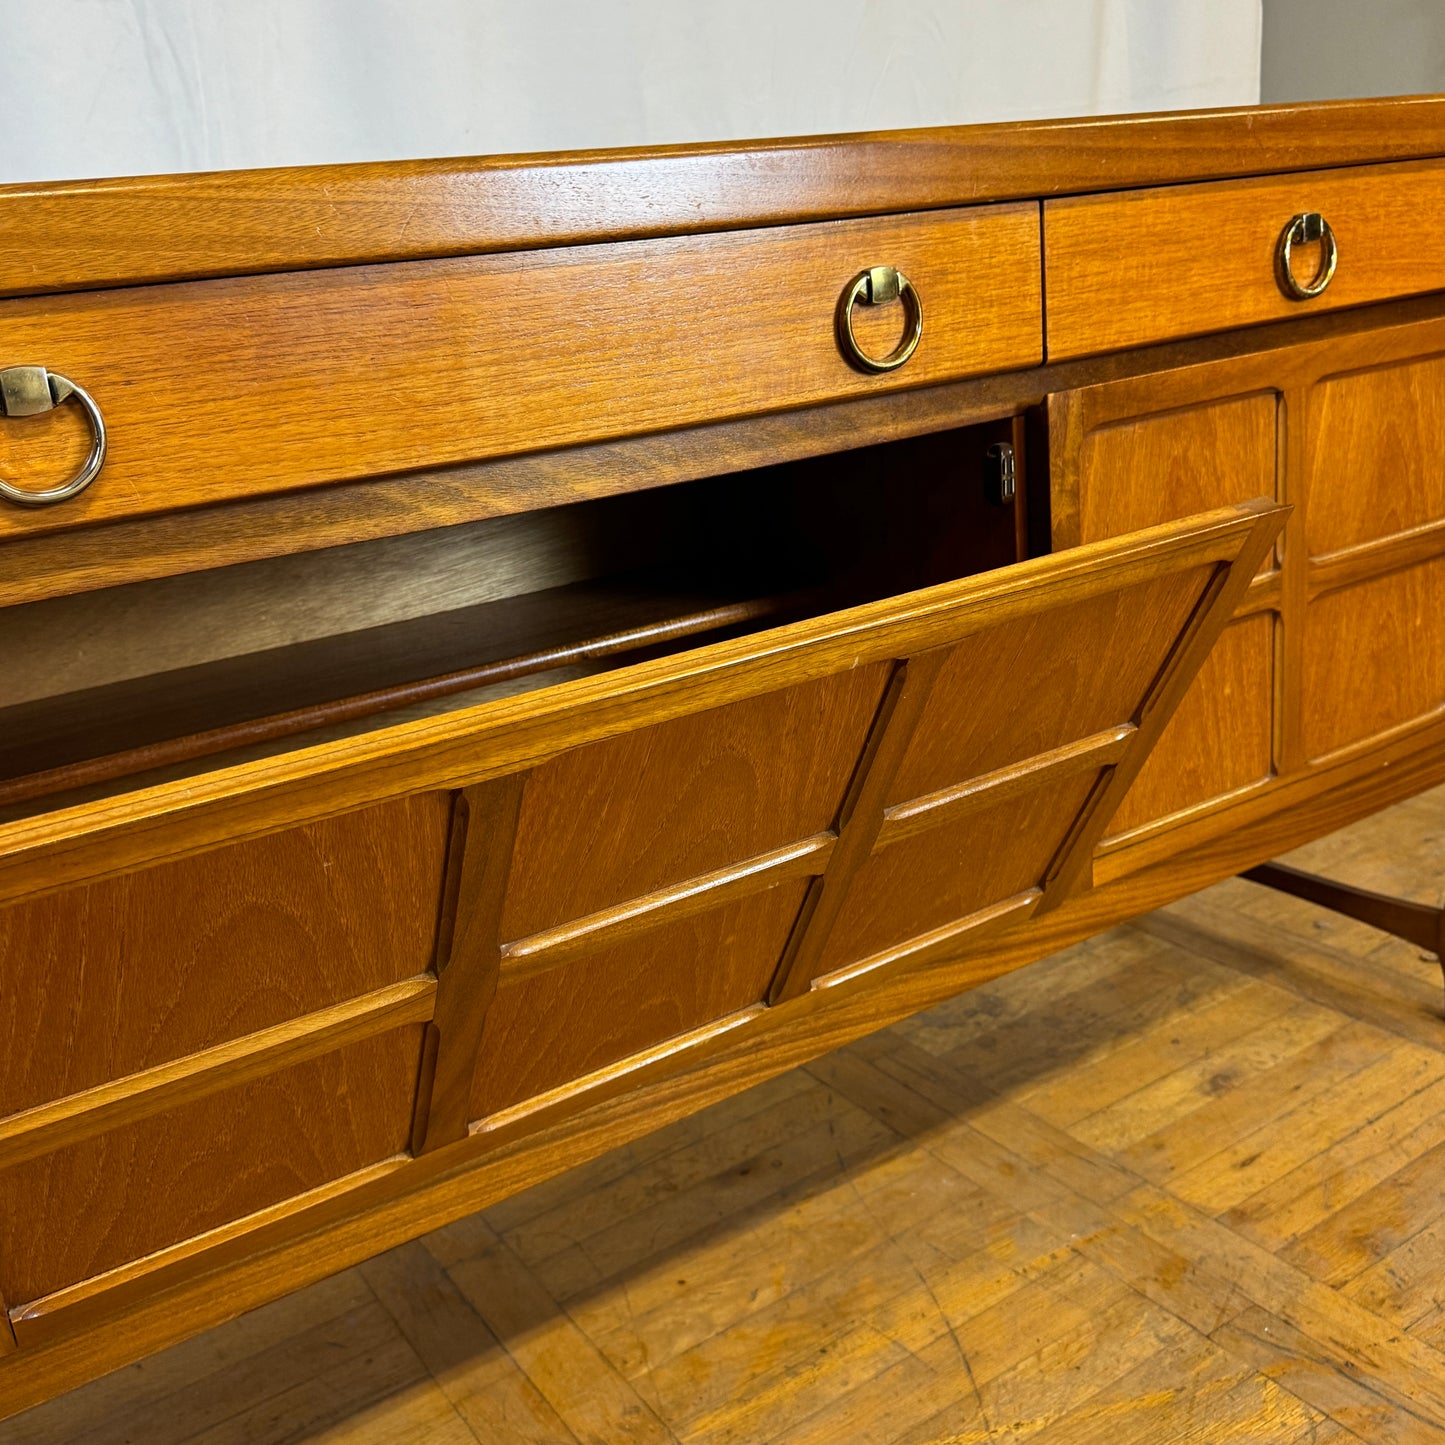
pixel 527 906
pixel 927 768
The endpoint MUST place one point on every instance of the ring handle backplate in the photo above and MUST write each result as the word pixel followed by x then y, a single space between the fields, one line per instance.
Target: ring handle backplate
pixel 30 390
pixel 876 287
pixel 1303 229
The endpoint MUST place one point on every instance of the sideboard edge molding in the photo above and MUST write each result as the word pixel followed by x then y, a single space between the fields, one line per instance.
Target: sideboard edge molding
pixel 78 235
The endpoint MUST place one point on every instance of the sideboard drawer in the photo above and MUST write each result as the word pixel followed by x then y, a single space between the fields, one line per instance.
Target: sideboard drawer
pixel 215 390
pixel 1134 267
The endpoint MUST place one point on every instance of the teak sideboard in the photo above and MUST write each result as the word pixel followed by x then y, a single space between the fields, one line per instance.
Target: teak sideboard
pixel 496 655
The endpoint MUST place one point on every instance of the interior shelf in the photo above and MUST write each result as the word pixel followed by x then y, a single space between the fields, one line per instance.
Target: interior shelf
pixel 596 585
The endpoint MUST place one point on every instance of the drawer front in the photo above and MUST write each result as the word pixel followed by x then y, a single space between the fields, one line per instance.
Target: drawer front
pixel 223 389
pixel 1143 266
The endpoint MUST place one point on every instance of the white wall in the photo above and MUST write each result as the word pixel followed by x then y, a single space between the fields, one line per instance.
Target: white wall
pixel 1334 49
pixel 124 87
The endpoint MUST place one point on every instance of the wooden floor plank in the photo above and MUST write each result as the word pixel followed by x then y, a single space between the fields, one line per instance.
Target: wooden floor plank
pixel 1179 1094
pixel 1194 1391
pixel 596 1175
pixel 1408 1282
pixel 269 1390
pixel 710 1384
pixel 1072 1026
pixel 1349 1336
pixel 1349 1168
pixel 1124 1064
pixel 1393 989
pixel 739 1187
pixel 1104 978
pixel 1071 1370
pixel 479 1379
pixel 216 1362
pixel 1255 1102
pixel 1298 1363
pixel 1369 1228
pixel 594 1402
pixel 1270 1151
pixel 698 1293
pixel 872 1413
pixel 361 1367
pixel 680 1171
pixel 418 1414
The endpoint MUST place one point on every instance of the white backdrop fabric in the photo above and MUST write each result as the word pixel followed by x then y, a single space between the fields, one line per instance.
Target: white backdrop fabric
pixel 129 87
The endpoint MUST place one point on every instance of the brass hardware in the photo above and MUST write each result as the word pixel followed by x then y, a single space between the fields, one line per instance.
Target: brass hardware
pixel 1307 227
pixel 876 287
pixel 30 390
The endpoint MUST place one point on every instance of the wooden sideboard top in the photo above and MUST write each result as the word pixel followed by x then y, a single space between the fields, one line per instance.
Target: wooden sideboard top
pixel 66 236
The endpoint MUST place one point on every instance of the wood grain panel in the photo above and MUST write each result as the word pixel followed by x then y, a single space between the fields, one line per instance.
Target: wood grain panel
pixel 1053 804
pixel 1035 683
pixel 1134 267
pixel 373 370
pixel 1150 469
pixel 859 819
pixel 1221 738
pixel 931 879
pixel 99 1204
pixel 635 813
pixel 48 1127
pixel 554 947
pixel 1373 658
pixel 1090 754
pixel 546 1029
pixel 84 640
pixel 1377 439
pixel 121 975
pixel 78 235
pixel 1137 451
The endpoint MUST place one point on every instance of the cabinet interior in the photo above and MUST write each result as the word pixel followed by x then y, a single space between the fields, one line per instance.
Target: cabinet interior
pixel 107 690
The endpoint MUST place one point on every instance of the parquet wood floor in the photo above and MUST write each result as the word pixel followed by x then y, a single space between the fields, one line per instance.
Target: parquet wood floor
pixel 1185 1182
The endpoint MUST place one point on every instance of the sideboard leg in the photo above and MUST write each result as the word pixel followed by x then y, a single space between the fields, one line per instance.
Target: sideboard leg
pixel 1416 923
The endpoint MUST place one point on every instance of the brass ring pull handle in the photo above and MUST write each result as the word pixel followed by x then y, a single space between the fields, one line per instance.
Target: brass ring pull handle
pixel 876 287
pixel 30 390
pixel 1307 227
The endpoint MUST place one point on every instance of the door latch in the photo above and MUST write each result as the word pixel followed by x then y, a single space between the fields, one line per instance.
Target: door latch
pixel 1000 482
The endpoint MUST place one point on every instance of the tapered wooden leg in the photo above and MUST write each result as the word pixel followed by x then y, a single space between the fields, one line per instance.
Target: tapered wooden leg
pixel 1416 923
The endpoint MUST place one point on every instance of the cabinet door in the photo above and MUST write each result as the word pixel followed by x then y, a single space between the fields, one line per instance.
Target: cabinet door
pixel 1372 650
pixel 1136 453
pixel 873 789
pixel 1335 661
pixel 638 862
